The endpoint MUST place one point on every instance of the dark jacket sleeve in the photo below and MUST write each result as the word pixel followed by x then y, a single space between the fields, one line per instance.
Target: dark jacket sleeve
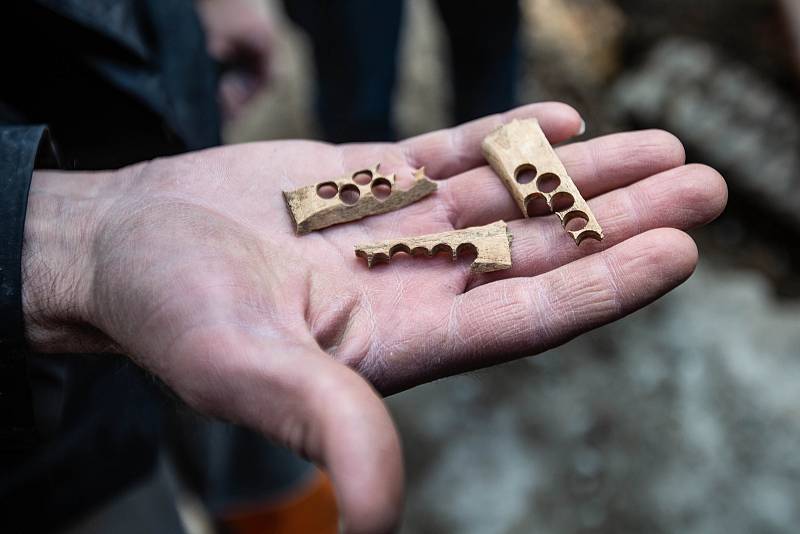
pixel 20 149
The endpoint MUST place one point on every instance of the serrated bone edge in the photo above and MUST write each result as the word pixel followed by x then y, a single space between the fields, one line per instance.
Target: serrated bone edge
pixel 492 244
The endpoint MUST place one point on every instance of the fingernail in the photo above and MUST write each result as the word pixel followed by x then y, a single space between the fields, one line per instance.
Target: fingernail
pixel 582 129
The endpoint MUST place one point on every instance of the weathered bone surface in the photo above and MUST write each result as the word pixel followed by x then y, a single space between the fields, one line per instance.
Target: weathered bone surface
pixel 492 244
pixel 351 201
pixel 519 151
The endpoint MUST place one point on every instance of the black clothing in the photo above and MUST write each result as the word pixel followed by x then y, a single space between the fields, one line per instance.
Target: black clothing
pixel 18 154
pixel 114 82
pixel 355 45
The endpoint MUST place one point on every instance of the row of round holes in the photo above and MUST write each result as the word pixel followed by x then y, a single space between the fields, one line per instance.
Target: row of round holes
pixel 463 248
pixel 349 194
pixel 574 221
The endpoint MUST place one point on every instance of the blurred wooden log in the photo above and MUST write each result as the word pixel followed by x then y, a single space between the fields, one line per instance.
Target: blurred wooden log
pixel 585 36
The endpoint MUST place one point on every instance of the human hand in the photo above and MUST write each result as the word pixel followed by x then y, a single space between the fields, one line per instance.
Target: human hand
pixel 190 266
pixel 240 37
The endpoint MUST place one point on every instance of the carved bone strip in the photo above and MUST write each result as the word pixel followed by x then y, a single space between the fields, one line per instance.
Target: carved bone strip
pixel 492 243
pixel 349 200
pixel 519 150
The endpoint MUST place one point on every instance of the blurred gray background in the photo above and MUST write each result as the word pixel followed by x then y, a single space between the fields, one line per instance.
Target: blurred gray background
pixel 684 417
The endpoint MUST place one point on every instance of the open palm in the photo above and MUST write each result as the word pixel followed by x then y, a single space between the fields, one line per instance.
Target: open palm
pixel 197 274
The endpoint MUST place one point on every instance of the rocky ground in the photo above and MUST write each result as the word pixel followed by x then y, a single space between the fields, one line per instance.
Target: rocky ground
pixel 683 417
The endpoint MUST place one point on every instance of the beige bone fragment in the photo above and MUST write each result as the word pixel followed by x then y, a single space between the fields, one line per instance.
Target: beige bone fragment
pixel 350 198
pixel 526 163
pixel 492 243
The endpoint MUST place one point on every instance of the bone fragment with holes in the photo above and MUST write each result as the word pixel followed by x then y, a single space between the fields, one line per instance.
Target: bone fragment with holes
pixel 351 197
pixel 526 163
pixel 492 243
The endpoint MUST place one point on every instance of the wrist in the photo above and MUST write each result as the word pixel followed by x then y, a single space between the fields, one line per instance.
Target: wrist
pixel 63 212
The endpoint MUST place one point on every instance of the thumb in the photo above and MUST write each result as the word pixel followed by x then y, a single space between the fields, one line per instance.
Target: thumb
pixel 303 399
pixel 349 431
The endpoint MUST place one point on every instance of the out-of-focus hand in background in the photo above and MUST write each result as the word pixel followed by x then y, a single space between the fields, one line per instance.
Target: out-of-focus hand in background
pixel 240 37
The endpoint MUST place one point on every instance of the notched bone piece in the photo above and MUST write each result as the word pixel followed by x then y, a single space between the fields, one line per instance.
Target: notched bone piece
pixel 528 166
pixel 492 244
pixel 352 197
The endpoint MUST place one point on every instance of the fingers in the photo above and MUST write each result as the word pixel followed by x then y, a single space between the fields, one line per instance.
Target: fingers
pixel 683 198
pixel 235 89
pixel 303 399
pixel 523 316
pixel 479 197
pixel 452 151
pixel 257 47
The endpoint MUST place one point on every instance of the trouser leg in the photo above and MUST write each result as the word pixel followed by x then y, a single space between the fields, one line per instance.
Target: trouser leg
pixel 485 50
pixel 355 45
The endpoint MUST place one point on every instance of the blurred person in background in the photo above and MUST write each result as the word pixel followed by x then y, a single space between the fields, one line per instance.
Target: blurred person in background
pixel 187 266
pixel 355 45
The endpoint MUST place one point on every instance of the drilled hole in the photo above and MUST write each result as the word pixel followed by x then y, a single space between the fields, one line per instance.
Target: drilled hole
pixel 575 221
pixel 537 205
pixel 420 251
pixel 362 177
pixel 381 188
pixel 591 234
pixel 548 182
pixel 399 248
pixel 442 248
pixel 562 201
pixel 349 194
pixel 525 174
pixel 466 250
pixel 327 190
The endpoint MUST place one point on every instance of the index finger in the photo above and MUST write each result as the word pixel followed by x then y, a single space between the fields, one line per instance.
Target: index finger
pixel 448 152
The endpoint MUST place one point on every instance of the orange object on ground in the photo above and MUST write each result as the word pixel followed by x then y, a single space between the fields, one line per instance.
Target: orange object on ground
pixel 310 509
